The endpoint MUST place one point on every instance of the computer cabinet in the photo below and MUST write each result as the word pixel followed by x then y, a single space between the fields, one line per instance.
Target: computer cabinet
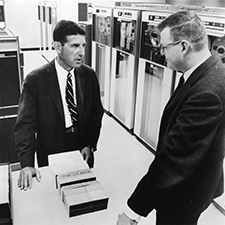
pixel 10 88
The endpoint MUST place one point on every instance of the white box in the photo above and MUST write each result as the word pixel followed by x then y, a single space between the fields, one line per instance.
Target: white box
pixel 74 177
pixel 66 162
pixel 84 198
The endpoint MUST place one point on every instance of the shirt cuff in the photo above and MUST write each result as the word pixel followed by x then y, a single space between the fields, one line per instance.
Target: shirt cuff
pixel 132 215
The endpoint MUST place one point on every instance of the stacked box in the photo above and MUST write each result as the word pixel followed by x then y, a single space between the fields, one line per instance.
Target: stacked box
pixel 74 177
pixel 84 198
pixel 77 185
pixel 68 161
pixel 5 195
pixel 65 163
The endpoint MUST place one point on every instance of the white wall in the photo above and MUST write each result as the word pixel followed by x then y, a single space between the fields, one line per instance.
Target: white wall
pixel 22 19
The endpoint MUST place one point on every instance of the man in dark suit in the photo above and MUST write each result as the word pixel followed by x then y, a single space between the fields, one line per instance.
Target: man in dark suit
pixel 187 171
pixel 45 122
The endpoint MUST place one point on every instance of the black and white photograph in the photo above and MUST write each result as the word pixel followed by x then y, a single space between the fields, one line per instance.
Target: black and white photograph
pixel 112 112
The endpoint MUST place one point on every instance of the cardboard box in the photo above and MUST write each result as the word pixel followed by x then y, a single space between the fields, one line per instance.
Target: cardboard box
pixel 84 198
pixel 74 177
pixel 67 162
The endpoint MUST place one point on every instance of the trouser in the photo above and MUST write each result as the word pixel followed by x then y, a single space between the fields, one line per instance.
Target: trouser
pixel 162 219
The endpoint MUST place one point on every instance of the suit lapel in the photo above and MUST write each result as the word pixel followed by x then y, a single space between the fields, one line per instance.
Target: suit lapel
pixel 195 76
pixel 80 83
pixel 54 89
pixel 172 103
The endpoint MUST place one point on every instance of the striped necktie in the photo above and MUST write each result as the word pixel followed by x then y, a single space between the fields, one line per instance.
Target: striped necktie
pixel 70 100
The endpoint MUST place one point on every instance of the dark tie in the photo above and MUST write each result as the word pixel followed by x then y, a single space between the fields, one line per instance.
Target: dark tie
pixel 70 100
pixel 179 86
pixel 181 82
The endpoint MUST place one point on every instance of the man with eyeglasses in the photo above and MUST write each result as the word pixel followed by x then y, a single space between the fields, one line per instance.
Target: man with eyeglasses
pixel 164 47
pixel 187 172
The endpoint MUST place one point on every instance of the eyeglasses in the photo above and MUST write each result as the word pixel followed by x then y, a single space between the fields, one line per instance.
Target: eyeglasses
pixel 164 47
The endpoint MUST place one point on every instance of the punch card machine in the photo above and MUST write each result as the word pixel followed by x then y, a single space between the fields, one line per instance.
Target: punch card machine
pixel 154 80
pixel 125 53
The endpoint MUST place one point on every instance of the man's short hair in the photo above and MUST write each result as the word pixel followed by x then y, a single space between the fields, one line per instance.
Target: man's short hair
pixel 186 25
pixel 65 28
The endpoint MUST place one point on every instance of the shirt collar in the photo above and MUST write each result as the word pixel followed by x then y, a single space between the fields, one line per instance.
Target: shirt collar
pixel 188 73
pixel 60 70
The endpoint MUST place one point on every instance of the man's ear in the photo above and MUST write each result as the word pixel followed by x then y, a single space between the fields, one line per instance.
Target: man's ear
pixel 57 46
pixel 185 46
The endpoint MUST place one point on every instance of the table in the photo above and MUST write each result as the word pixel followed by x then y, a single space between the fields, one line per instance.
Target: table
pixel 42 205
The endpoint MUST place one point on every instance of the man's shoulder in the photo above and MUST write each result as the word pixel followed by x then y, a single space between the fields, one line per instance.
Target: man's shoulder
pixel 40 70
pixel 86 67
pixel 38 75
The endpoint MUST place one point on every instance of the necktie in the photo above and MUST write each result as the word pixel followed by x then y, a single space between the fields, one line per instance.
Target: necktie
pixel 179 86
pixel 181 82
pixel 70 100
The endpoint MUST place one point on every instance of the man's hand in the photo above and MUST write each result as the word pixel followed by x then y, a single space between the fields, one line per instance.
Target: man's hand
pixel 88 156
pixel 26 176
pixel 123 219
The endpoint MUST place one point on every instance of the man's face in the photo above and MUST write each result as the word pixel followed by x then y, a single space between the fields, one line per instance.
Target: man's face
pixel 72 52
pixel 172 50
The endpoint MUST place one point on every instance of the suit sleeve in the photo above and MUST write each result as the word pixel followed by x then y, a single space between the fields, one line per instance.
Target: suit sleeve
pixel 26 124
pixel 97 111
pixel 180 152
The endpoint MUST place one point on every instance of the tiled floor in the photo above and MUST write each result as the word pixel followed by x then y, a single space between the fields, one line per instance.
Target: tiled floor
pixel 123 159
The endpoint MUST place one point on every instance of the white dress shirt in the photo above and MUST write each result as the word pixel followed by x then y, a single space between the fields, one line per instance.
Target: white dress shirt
pixel 62 76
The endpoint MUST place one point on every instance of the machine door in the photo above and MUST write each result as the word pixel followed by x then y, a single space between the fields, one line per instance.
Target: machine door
pixel 124 65
pixel 100 67
pixel 124 35
pixel 151 110
pixel 9 98
pixel 7 142
pixel 216 36
pixel 154 81
pixel 153 92
pixel 150 44
pixel 122 87
pixel 121 84
pixel 102 29
pixel 9 77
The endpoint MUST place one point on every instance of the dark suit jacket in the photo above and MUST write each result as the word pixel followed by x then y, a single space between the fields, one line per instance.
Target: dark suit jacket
pixel 187 172
pixel 41 125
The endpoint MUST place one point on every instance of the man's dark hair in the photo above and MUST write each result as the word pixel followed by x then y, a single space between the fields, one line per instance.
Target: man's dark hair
pixel 65 28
